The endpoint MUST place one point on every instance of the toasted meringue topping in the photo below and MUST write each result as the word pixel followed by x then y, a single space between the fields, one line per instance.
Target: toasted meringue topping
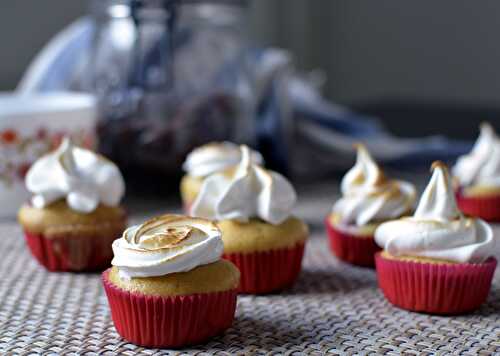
pixel 364 173
pixel 438 229
pixel 167 244
pixel 481 167
pixel 369 196
pixel 438 199
pixel 84 178
pixel 215 157
pixel 251 192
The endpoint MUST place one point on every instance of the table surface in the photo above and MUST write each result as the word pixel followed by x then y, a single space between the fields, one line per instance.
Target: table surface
pixel 334 308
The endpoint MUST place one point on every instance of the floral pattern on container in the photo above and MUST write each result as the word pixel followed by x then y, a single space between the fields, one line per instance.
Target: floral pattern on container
pixel 19 151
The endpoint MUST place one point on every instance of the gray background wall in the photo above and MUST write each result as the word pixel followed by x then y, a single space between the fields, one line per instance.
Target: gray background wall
pixel 25 26
pixel 439 50
pixel 443 50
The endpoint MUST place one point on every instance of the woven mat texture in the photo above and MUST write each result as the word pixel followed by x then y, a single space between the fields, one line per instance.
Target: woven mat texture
pixel 333 309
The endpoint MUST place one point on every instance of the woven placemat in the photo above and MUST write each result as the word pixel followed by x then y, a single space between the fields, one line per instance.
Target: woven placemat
pixel 333 309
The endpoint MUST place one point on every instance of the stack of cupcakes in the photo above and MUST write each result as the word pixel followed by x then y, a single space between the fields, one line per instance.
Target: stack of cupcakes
pixel 369 198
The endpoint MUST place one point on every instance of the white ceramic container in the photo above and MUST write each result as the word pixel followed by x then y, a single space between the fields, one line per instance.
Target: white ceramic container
pixel 32 125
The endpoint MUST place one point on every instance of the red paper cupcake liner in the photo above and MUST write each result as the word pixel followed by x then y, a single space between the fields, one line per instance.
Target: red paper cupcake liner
pixel 169 322
pixel 435 288
pixel 359 251
pixel 268 271
pixel 71 253
pixel 487 208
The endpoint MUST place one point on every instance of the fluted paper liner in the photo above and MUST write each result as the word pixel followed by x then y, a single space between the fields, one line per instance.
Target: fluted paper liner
pixel 435 288
pixel 268 271
pixel 71 253
pixel 169 322
pixel 359 251
pixel 487 208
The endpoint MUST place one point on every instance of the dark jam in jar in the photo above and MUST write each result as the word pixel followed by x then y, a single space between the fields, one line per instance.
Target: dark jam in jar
pixel 150 151
pixel 169 76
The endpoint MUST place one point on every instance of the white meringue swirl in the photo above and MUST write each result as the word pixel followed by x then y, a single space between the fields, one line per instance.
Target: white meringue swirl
pixel 81 176
pixel 252 192
pixel 481 167
pixel 167 244
pixel 215 157
pixel 437 229
pixel 368 196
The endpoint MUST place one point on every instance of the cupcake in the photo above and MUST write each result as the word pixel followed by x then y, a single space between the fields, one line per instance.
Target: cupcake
pixel 252 207
pixel 168 286
pixel 205 160
pixel 436 261
pixel 74 214
pixel 368 199
pixel 477 177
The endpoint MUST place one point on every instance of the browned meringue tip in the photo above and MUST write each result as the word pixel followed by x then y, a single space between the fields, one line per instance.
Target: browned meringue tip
pixel 211 145
pixel 244 147
pixel 485 125
pixel 359 146
pixel 439 164
pixel 362 150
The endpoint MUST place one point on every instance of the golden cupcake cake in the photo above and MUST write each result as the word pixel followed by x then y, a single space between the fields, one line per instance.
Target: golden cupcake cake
pixel 168 286
pixel 208 159
pixel 75 213
pixel 477 177
pixel 438 260
pixel 368 199
pixel 252 207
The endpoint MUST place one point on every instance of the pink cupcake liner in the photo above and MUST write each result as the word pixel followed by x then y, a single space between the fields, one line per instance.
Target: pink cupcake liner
pixel 169 322
pixel 268 271
pixel 435 288
pixel 71 253
pixel 359 251
pixel 487 208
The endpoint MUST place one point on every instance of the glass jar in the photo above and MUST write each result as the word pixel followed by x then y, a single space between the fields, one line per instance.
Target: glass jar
pixel 169 75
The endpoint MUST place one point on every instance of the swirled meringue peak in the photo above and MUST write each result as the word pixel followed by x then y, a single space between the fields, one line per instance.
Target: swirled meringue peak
pixel 251 192
pixel 369 196
pixel 84 178
pixel 438 229
pixel 167 244
pixel 481 167
pixel 215 157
